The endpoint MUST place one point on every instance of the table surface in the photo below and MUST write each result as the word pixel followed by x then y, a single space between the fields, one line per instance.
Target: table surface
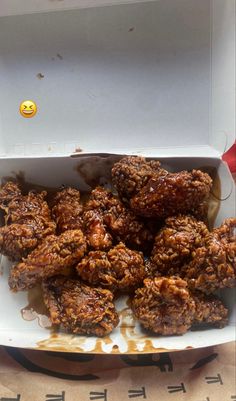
pixel 206 374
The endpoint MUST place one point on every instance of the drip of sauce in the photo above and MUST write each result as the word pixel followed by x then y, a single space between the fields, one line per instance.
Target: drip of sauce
pixel 63 342
pixel 36 308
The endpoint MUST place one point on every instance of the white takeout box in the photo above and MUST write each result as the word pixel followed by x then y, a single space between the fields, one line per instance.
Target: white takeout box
pixel 155 78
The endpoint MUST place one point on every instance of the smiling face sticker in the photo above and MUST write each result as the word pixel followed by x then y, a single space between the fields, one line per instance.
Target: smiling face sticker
pixel 28 109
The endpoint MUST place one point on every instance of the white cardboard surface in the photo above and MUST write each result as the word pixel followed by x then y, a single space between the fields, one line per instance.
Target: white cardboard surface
pixel 155 74
pixel 19 7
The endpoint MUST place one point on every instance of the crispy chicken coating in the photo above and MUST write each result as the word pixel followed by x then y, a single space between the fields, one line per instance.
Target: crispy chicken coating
pixel 126 227
pixel 28 208
pixel 212 267
pixel 132 173
pixel 164 305
pixel 79 308
pixel 209 311
pixel 17 240
pixel 8 192
pixel 95 229
pixel 120 269
pixel 107 219
pixel 28 221
pixel 67 210
pixel 200 212
pixel 96 232
pixel 172 194
pixel 206 260
pixel 175 244
pixel 55 255
pixel 227 231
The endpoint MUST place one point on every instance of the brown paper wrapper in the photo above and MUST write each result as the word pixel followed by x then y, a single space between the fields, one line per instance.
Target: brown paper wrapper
pixel 206 374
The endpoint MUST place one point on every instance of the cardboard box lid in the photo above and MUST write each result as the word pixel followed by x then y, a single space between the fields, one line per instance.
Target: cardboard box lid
pixel 19 7
pixel 147 76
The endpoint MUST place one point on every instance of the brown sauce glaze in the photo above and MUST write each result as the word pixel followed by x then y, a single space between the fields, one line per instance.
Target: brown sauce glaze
pixel 36 308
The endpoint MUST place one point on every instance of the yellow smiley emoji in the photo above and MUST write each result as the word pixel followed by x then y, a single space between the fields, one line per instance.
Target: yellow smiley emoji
pixel 28 108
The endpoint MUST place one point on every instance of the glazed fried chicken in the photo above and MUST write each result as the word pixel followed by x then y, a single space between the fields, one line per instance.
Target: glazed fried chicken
pixel 17 240
pixel 79 308
pixel 126 227
pixel 28 221
pixel 8 192
pixel 227 231
pixel 153 192
pixel 120 269
pixel 96 232
pixel 172 194
pixel 175 245
pixel 95 229
pixel 107 219
pixel 200 212
pixel 132 173
pixel 212 267
pixel 164 306
pixel 209 311
pixel 55 255
pixel 67 210
pixel 206 260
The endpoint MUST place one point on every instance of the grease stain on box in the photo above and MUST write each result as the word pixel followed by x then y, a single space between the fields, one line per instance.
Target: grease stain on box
pixel 40 75
pixel 36 308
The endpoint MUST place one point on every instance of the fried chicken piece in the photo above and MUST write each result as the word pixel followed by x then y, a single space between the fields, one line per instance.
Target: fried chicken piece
pixel 128 228
pixel 27 207
pixel 212 267
pixel 8 192
pixel 120 269
pixel 172 194
pixel 101 199
pixel 95 230
pixel 227 231
pixel 27 216
pixel 175 244
pixel 79 308
pixel 132 173
pixel 106 218
pixel 164 306
pixel 17 240
pixel 209 311
pixel 200 212
pixel 185 247
pixel 55 255
pixel 67 210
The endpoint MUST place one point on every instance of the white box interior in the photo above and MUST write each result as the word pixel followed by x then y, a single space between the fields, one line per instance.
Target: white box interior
pixel 157 74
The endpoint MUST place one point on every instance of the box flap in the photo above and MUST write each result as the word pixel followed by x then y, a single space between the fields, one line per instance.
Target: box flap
pixel 145 75
pixel 223 94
